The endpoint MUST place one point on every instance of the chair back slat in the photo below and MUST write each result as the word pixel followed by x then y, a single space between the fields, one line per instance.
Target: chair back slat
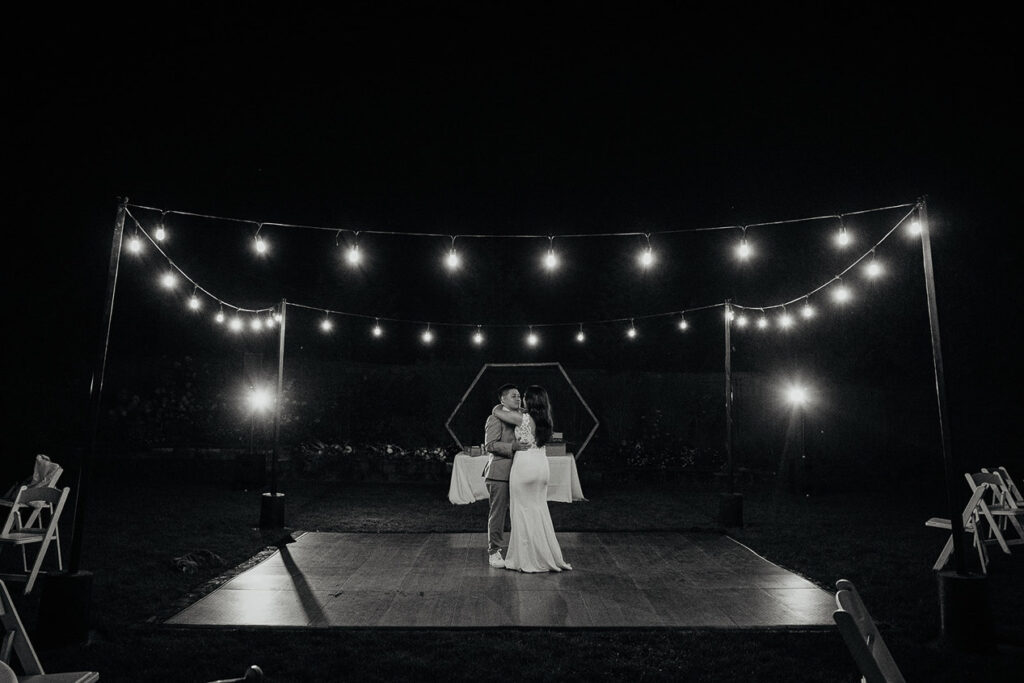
pixel 862 637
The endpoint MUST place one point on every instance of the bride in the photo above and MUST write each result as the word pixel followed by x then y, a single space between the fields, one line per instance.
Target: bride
pixel 532 546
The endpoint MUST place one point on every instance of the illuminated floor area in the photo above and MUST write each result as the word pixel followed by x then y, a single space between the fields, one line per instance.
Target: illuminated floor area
pixel 443 580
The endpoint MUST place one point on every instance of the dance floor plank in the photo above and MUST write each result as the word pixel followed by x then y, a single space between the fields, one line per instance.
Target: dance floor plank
pixel 619 580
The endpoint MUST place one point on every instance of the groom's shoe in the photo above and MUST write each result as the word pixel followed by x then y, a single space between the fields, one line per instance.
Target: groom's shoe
pixel 495 560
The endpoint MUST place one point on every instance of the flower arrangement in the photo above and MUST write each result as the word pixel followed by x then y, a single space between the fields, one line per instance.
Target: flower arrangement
pixel 372 460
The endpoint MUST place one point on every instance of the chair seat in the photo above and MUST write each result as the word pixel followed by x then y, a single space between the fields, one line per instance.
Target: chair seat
pixel 22 537
pixel 69 677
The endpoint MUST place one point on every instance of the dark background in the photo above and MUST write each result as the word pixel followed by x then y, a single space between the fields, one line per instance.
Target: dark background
pixel 466 121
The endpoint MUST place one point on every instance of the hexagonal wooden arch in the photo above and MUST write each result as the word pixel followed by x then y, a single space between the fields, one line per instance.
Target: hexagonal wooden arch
pixel 448 422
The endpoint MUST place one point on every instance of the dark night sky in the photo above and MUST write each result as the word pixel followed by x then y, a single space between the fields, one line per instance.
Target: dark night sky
pixel 599 122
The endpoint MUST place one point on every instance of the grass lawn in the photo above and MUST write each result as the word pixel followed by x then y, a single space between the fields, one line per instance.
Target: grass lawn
pixel 878 540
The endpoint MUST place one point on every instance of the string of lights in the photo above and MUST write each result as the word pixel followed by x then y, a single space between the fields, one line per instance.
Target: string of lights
pixel 267 317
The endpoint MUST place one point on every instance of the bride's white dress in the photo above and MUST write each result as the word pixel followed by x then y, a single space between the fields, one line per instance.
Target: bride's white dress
pixel 532 546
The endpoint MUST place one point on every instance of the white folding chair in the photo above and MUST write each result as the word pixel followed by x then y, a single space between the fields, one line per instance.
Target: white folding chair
pixel 44 473
pixel 974 517
pixel 862 637
pixel 13 533
pixel 1001 505
pixel 15 641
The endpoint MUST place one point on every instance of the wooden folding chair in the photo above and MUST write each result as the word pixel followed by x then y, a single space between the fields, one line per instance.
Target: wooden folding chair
pixel 14 533
pixel 1001 505
pixel 16 641
pixel 862 637
pixel 253 674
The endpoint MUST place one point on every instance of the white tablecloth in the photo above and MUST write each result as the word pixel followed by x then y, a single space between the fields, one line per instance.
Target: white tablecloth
pixel 467 485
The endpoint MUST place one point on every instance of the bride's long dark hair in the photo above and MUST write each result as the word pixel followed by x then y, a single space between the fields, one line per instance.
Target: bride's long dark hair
pixel 539 407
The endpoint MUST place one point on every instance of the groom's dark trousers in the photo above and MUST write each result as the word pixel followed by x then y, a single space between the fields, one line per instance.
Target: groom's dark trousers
pixel 498 438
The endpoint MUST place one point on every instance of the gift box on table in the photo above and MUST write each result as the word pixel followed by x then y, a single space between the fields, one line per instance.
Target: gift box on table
pixel 556 446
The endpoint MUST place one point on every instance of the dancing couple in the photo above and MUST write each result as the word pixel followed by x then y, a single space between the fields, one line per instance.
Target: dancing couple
pixel 516 476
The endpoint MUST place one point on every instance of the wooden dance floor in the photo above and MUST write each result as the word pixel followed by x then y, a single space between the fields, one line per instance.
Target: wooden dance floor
pixel 621 579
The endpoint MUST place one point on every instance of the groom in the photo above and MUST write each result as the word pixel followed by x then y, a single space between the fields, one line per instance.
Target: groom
pixel 500 442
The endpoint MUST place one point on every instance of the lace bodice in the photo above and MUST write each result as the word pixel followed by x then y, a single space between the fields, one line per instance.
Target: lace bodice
pixel 525 432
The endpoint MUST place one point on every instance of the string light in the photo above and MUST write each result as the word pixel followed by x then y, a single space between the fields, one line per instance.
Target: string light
pixel 841 294
pixel 326 325
pixel 729 315
pixel 169 280
pixel 161 233
pixel 261 246
pixel 453 261
pixel 785 320
pixel 646 256
pixel 266 318
pixel 914 228
pixel 843 238
pixel 427 336
pixel 797 395
pixel 743 250
pixel 807 311
pixel 873 269
pixel 551 258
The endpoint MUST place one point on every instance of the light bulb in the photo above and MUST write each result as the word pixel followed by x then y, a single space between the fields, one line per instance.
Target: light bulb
pixel 762 322
pixel 169 280
pixel 580 337
pixel 377 331
pixel 256 324
pixel 647 257
pixel 785 321
pixel 683 324
pixel 532 339
pixel 744 250
pixel 219 318
pixel 841 294
pixel 160 234
pixel 631 332
pixel 843 238
pixel 353 256
pixel 452 260
pixel 873 269
pixel 135 244
pixel 236 324
pixel 427 336
pixel 194 303
pixel 261 246
pixel 741 320
pixel 551 260
pixel 478 337
pixel 796 395
pixel 729 315
pixel 326 325
pixel 269 322
pixel 807 311
pixel 914 227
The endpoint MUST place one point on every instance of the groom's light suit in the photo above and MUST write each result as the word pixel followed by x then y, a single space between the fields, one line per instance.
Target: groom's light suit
pixel 498 441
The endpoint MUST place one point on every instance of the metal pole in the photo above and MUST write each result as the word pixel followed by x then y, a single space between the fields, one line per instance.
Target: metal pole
pixel 728 394
pixel 955 520
pixel 277 401
pixel 96 393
